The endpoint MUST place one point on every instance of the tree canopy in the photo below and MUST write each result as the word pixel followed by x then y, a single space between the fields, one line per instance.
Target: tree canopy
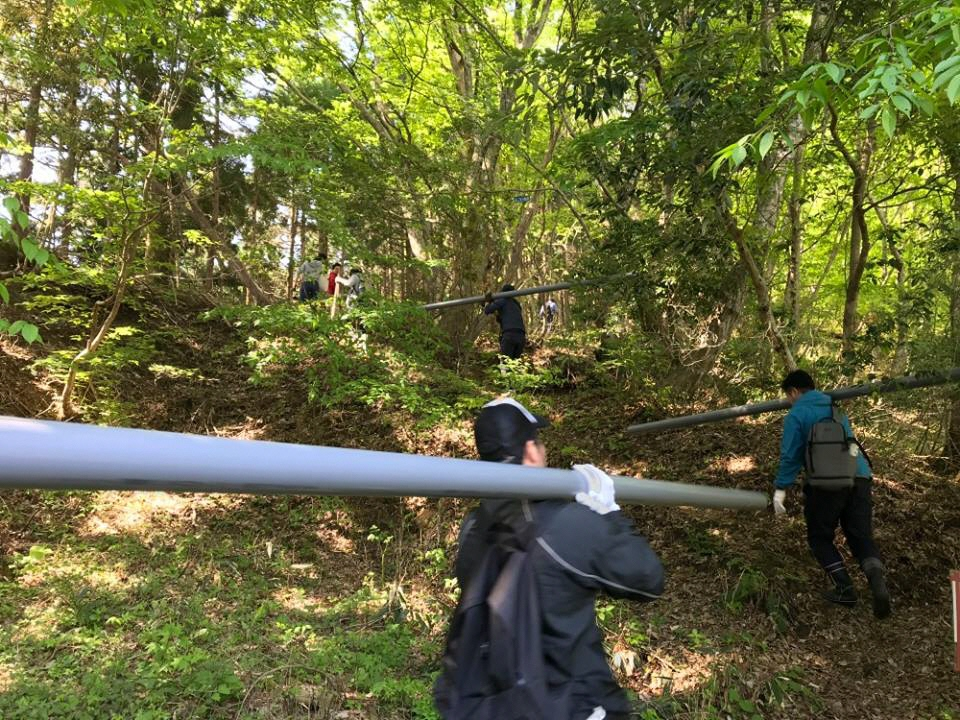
pixel 772 172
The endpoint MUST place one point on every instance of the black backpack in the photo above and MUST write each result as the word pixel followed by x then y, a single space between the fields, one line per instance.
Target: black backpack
pixel 493 666
pixel 831 458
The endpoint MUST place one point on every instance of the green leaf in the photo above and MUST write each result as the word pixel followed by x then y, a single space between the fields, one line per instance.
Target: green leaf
pixel 889 120
pixel 869 112
pixel 925 104
pixel 739 155
pixel 30 333
pixel 889 80
pixel 903 105
pixel 4 293
pixel 953 89
pixel 766 142
pixel 868 90
pixel 786 96
pixel 11 204
pixel 834 71
pixel 29 249
pixel 14 329
pixel 821 91
pixel 716 164
pixel 948 63
pixel 767 112
pixel 904 55
pixel 4 325
pixel 23 220
pixel 945 77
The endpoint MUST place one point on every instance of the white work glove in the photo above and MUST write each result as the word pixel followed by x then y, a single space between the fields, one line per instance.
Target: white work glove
pixel 779 502
pixel 600 495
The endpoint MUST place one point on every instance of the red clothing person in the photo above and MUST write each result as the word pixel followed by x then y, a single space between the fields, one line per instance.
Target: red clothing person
pixel 332 279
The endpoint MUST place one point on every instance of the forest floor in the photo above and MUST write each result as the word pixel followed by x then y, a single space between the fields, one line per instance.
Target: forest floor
pixel 148 606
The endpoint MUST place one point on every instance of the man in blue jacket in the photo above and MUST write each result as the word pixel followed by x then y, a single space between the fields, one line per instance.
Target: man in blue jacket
pixel 823 508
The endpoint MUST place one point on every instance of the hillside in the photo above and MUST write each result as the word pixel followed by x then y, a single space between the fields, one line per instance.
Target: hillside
pixel 158 605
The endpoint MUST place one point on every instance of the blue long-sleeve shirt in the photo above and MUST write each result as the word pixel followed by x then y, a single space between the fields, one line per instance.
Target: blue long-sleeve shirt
pixel 809 409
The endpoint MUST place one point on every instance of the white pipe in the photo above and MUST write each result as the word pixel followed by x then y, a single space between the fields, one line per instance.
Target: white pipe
pixel 67 456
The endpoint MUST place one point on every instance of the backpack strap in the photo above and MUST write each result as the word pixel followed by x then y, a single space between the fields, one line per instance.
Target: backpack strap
pixel 864 452
pixel 837 417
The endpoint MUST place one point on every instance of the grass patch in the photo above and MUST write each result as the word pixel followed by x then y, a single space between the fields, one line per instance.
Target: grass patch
pixel 204 624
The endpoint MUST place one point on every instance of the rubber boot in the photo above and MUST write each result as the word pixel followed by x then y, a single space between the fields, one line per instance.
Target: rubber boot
pixel 842 592
pixel 873 569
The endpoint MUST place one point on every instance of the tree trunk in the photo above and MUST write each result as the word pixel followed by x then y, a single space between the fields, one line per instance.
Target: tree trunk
pixel 763 294
pixel 31 128
pixel 99 333
pixel 859 248
pixel 791 299
pixel 66 171
pixel 477 249
pixel 771 180
pixel 900 319
pixel 952 445
pixel 224 250
pixel 949 132
pixel 291 261
pixel 720 328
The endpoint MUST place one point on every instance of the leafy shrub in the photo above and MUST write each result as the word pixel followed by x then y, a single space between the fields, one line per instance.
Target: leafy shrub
pixel 384 355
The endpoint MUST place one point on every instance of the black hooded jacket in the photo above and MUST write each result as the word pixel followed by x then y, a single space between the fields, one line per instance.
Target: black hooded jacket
pixel 509 315
pixel 581 554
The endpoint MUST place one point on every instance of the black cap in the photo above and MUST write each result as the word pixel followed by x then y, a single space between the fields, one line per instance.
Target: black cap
pixel 503 428
pixel 507 287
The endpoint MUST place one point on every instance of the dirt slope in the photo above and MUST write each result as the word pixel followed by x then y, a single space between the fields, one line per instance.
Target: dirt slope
pixel 740 632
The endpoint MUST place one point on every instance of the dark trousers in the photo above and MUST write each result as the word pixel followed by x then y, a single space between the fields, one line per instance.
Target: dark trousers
pixel 309 290
pixel 852 509
pixel 511 343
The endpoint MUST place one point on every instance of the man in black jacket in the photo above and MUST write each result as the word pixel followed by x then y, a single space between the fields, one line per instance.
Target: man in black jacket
pixel 589 548
pixel 513 332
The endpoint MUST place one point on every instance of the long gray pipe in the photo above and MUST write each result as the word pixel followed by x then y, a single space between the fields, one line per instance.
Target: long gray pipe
pixel 67 456
pixel 908 382
pixel 525 291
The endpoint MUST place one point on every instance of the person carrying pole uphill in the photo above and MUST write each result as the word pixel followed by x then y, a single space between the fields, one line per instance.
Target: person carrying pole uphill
pixel 513 332
pixel 524 641
pixel 837 489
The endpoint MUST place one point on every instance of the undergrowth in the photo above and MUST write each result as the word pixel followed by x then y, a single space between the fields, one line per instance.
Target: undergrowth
pixel 387 356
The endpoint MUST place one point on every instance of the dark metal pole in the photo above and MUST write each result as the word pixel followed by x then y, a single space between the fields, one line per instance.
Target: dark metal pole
pixel 908 382
pixel 68 456
pixel 525 291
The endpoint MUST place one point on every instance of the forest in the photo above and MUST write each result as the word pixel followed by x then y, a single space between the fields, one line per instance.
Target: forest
pixel 751 187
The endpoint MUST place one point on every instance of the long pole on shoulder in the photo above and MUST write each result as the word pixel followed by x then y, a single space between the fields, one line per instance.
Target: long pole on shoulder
pixel 908 382
pixel 67 456
pixel 539 290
